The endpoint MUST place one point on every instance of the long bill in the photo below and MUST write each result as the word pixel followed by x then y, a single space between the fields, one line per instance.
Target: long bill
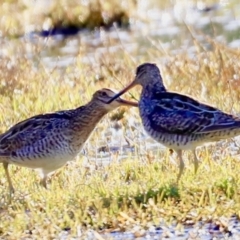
pixel 127 103
pixel 131 85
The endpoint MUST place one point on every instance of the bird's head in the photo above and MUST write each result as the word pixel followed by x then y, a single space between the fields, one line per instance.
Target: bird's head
pixel 103 96
pixel 146 74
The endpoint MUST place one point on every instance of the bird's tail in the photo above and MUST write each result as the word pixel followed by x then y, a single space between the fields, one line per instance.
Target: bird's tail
pixel 227 126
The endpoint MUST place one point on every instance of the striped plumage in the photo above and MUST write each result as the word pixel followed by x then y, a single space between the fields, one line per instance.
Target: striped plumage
pixel 46 142
pixel 177 121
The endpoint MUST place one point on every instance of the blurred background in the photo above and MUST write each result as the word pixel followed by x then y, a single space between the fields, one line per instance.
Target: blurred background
pixel 95 26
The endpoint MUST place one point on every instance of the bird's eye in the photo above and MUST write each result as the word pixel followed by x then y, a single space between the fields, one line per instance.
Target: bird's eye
pixel 104 94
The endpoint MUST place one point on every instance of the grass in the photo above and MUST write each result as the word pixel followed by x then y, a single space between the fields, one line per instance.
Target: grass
pixel 119 197
pixel 140 189
pixel 80 14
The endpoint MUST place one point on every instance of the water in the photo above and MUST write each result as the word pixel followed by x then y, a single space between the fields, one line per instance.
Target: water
pixel 170 29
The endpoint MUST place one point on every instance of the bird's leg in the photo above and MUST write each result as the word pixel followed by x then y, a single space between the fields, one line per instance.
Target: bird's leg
pixel 195 161
pixel 45 175
pixel 43 181
pixel 11 189
pixel 181 164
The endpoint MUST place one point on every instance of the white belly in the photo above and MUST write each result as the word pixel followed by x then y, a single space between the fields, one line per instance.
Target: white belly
pixel 48 163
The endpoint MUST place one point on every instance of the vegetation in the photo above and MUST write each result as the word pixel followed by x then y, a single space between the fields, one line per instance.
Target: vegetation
pixel 140 189
pixel 34 16
pixel 75 14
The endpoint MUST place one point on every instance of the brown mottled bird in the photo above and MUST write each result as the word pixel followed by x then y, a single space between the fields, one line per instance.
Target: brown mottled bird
pixel 48 141
pixel 177 121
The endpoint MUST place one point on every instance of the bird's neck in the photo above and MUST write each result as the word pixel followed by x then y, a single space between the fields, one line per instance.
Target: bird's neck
pixel 149 90
pixel 90 114
pixel 83 121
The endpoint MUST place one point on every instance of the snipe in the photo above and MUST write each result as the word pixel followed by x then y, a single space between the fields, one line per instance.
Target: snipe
pixel 177 121
pixel 46 142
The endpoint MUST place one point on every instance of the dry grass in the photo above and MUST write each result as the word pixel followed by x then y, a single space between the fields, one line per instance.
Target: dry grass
pixel 33 16
pixel 138 190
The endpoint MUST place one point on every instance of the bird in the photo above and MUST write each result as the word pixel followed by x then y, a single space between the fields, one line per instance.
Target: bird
pixel 178 121
pixel 46 142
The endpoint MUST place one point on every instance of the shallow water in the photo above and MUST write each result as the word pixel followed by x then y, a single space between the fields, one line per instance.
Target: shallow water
pixel 169 29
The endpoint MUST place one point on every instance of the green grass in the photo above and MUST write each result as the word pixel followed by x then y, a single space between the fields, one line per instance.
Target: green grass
pixel 118 196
